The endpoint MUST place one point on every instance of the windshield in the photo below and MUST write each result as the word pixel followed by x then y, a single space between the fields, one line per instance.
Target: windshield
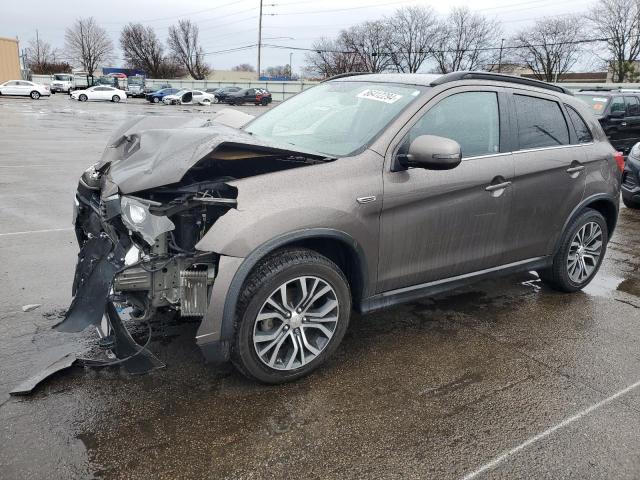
pixel 63 78
pixel 597 103
pixel 135 81
pixel 181 92
pixel 335 118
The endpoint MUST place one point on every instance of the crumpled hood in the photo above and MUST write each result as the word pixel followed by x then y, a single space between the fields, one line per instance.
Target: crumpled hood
pixel 150 151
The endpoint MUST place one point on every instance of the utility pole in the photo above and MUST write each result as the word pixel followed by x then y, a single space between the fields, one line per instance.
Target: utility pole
pixel 500 56
pixel 259 37
pixel 290 65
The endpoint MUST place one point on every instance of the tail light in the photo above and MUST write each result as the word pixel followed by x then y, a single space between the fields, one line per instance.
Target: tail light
pixel 619 158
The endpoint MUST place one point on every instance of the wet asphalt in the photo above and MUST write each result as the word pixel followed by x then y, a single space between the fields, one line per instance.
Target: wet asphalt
pixel 440 388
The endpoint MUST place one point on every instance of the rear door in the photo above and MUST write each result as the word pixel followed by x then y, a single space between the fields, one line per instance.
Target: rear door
pixel 439 224
pixel 632 119
pixel 24 88
pixel 549 177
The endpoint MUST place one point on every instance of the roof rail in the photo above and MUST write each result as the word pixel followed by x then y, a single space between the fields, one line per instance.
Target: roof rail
pixel 342 75
pixel 498 77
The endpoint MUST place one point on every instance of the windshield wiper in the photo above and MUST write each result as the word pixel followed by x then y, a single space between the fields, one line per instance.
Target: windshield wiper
pixel 548 134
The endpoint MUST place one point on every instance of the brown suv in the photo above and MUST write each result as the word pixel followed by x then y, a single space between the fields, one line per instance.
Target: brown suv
pixel 362 192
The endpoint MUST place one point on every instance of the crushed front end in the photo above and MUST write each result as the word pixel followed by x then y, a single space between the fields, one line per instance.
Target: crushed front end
pixel 140 250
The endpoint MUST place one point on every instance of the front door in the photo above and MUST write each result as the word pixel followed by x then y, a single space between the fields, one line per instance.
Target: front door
pixel 440 224
pixel 616 126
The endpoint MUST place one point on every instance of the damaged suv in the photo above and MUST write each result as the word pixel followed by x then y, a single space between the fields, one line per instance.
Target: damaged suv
pixel 362 192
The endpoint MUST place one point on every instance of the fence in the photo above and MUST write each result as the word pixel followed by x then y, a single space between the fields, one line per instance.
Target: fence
pixel 283 90
pixel 279 90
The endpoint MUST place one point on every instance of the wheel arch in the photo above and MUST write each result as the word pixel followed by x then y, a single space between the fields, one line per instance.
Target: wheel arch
pixel 336 245
pixel 602 203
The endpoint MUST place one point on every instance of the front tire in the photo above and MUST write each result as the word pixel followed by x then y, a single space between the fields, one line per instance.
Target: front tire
pixel 83 98
pixel 35 95
pixel 582 248
pixel 292 314
pixel 115 99
pixel 156 99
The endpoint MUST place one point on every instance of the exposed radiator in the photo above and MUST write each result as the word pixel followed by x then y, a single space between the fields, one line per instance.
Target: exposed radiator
pixel 193 293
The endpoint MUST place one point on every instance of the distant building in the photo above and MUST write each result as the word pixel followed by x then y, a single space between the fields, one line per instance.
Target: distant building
pixel 578 77
pixel 509 69
pixel 9 60
pixel 524 71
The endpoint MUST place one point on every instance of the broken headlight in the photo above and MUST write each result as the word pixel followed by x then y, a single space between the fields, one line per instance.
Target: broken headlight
pixel 137 218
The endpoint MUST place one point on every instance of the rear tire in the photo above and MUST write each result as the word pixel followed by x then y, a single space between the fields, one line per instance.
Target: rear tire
pixel 298 344
pixel 115 99
pixel 580 254
pixel 631 204
pixel 35 95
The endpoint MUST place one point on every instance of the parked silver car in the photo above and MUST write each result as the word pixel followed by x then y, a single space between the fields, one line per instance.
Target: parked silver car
pixel 362 192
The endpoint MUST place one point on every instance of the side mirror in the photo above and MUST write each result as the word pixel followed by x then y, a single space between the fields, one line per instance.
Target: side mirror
pixel 433 153
pixel 617 114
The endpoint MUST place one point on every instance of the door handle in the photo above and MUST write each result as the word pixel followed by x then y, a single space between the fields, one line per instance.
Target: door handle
pixel 577 168
pixel 497 186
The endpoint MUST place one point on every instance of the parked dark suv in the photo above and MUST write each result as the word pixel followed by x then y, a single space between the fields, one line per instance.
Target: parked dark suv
pixel 618 111
pixel 360 193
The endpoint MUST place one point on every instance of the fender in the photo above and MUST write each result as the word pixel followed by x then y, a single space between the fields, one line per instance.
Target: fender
pixel 260 252
pixel 593 198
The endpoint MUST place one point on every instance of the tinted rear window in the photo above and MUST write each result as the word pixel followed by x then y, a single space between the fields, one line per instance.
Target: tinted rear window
pixel 582 130
pixel 540 123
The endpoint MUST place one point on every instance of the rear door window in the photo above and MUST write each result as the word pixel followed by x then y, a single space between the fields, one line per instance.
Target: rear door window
pixel 583 133
pixel 632 106
pixel 470 118
pixel 541 122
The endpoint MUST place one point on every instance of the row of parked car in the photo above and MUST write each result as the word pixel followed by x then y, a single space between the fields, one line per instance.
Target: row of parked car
pixel 229 95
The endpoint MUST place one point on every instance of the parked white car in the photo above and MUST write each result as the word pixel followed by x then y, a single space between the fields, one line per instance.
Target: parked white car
pixel 25 89
pixel 100 92
pixel 189 97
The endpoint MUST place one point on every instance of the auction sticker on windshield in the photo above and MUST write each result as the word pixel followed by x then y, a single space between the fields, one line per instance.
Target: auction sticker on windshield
pixel 379 95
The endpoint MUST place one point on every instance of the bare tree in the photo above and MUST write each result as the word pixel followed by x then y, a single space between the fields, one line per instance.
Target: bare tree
pixel 88 44
pixel 466 42
pixel 244 67
pixel 619 22
pixel 142 49
pixel 171 68
pixel 548 47
pixel 413 30
pixel 39 56
pixel 331 57
pixel 371 43
pixel 183 42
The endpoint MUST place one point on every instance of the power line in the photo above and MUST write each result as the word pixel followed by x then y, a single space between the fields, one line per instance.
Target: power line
pixel 173 17
pixel 342 9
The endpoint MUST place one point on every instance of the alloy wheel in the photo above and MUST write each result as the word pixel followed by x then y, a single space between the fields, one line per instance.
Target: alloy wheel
pixel 296 323
pixel 584 252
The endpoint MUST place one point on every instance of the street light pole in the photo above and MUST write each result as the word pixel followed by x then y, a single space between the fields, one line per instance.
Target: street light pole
pixel 290 65
pixel 259 37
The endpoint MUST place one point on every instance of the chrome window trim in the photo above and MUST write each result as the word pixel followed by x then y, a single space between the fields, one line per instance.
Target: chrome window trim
pixel 555 147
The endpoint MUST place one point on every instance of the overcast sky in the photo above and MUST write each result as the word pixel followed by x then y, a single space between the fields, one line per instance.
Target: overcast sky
pixel 226 24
